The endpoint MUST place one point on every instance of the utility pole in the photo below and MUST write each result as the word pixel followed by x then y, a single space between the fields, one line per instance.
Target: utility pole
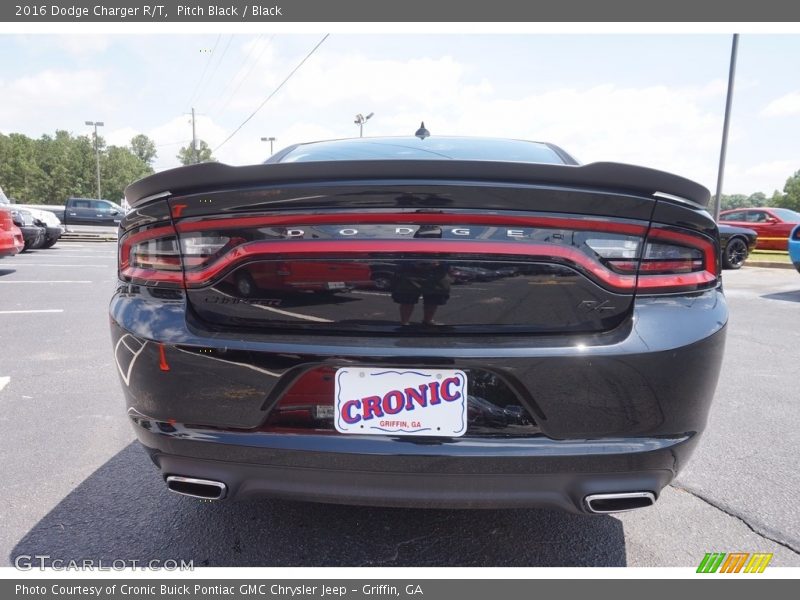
pixel 728 102
pixel 96 124
pixel 194 140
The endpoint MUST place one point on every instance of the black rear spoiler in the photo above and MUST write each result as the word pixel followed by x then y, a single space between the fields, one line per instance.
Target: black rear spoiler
pixel 207 177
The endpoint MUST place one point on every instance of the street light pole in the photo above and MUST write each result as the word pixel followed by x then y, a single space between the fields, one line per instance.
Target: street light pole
pixel 726 124
pixel 96 124
pixel 270 140
pixel 360 120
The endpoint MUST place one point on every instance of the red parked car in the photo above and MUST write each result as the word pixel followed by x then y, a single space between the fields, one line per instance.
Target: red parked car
pixel 11 241
pixel 773 225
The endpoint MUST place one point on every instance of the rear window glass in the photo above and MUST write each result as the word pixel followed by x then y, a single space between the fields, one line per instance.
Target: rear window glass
pixel 428 149
pixel 787 215
pixel 735 216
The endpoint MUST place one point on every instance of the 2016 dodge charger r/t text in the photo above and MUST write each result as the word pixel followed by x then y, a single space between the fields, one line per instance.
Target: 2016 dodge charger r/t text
pixel 438 322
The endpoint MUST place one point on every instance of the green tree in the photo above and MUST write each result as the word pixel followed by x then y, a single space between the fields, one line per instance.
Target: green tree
pixel 733 201
pixel 20 174
pixel 69 166
pixel 144 148
pixel 186 156
pixel 120 167
pixel 791 193
pixel 757 199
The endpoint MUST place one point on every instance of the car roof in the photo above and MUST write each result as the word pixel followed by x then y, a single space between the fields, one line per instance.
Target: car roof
pixel 430 148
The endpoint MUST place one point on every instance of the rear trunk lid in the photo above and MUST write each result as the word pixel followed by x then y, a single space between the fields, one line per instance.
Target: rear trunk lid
pixel 396 247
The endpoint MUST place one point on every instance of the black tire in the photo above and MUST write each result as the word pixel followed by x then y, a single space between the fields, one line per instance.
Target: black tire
pixel 50 243
pixel 245 284
pixel 735 253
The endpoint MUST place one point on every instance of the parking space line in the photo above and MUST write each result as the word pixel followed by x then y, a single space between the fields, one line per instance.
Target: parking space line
pixel 25 312
pixel 20 264
pixel 55 281
pixel 293 314
pixel 4 382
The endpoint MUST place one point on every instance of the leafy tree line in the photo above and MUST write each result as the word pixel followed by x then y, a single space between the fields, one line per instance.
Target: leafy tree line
pixel 789 198
pixel 50 169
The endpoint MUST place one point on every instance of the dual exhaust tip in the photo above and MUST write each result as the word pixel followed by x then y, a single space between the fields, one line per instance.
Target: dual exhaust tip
pixel 603 504
pixel 205 489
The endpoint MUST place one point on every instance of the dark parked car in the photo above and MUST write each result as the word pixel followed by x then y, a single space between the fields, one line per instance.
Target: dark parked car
pixel 582 382
pixel 85 215
pixel 34 235
pixel 41 218
pixel 737 243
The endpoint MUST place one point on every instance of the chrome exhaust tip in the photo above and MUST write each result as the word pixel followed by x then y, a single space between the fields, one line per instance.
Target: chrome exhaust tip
pixel 205 489
pixel 603 504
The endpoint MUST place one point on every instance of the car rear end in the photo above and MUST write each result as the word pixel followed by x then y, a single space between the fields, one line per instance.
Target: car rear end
pixel 11 241
pixel 794 247
pixel 575 369
pixel 32 234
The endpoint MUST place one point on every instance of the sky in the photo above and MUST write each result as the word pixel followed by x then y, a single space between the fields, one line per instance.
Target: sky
pixel 655 100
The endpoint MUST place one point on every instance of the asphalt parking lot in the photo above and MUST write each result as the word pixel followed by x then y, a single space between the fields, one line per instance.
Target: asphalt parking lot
pixel 78 487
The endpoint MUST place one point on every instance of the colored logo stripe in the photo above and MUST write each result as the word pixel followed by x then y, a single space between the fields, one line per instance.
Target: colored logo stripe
pixel 758 562
pixel 735 561
pixel 711 562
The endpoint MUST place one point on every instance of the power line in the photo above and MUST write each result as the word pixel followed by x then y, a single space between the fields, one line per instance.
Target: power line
pixel 203 74
pixel 275 91
pixel 232 94
pixel 216 68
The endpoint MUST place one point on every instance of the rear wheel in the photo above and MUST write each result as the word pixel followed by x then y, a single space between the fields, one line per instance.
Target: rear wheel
pixel 735 254
pixel 50 243
pixel 245 284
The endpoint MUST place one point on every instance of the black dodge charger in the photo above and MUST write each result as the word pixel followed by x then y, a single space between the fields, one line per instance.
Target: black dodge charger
pixel 294 329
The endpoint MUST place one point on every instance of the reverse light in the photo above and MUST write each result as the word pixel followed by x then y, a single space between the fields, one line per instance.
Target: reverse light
pixel 200 248
pixel 151 256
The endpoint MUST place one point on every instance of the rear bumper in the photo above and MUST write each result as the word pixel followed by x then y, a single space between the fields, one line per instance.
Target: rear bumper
pixel 32 235
pixel 53 233
pixel 11 243
pixel 453 482
pixel 618 412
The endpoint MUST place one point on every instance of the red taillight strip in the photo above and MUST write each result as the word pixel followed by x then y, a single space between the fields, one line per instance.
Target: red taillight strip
pixel 454 219
pixel 683 280
pixel 330 248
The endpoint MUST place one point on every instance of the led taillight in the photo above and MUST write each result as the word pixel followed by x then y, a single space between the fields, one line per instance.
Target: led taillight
pixel 670 260
pixel 677 261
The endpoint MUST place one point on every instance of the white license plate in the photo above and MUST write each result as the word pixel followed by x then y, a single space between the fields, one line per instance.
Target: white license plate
pixel 422 402
pixel 336 285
